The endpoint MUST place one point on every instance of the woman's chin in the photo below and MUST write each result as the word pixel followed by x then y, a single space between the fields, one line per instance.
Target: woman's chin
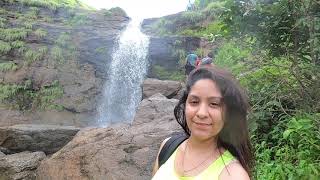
pixel 201 135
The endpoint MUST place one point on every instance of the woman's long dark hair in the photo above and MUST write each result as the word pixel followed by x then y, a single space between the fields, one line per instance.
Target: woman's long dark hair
pixel 234 136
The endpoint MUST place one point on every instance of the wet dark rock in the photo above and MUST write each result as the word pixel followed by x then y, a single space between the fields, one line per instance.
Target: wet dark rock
pixel 46 138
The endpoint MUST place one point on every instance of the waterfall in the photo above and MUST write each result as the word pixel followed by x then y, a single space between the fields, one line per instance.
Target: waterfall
pixel 122 90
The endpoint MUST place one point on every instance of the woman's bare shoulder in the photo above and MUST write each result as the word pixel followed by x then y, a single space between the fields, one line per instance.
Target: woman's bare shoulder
pixel 234 170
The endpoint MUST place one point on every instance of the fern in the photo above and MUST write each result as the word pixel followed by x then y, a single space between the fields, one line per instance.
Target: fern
pixel 17 44
pixel 63 39
pixel 13 34
pixel 40 33
pixel 4 47
pixel 8 91
pixel 56 54
pixel 28 24
pixel 9 66
pixel 32 56
pixel 33 13
pixel 2 22
pixel 48 94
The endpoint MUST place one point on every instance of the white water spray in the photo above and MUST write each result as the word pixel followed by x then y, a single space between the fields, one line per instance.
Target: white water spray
pixel 122 90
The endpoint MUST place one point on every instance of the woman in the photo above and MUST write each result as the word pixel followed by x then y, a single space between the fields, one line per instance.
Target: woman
pixel 213 114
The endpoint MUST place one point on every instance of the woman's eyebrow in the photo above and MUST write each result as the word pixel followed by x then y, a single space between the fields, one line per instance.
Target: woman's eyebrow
pixel 216 98
pixel 210 98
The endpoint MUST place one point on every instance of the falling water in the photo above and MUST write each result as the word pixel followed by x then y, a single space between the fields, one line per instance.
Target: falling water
pixel 122 90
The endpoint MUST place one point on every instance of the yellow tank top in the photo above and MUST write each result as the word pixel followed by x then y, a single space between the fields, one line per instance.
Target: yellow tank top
pixel 167 171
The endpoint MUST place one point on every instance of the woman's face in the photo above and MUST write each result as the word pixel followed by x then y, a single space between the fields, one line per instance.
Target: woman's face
pixel 204 110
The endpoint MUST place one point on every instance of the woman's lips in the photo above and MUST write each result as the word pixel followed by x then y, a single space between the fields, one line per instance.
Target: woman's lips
pixel 202 124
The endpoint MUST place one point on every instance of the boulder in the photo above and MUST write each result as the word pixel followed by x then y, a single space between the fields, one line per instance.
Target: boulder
pixel 115 153
pixel 20 166
pixel 168 88
pixel 46 138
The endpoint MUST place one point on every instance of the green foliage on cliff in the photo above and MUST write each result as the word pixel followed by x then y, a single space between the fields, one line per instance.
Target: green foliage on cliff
pixel 40 33
pixel 52 4
pixel 35 55
pixel 8 66
pixel 63 50
pixel 162 73
pixel 4 47
pixel 13 34
pixel 24 97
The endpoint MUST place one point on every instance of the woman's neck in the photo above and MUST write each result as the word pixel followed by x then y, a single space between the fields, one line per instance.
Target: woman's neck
pixel 202 146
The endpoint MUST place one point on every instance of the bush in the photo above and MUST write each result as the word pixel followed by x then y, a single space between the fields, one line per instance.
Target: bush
pixel 292 151
pixel 193 17
pixel 231 56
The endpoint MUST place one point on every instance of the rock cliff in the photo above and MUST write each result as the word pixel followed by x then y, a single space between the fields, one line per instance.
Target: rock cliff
pixel 54 61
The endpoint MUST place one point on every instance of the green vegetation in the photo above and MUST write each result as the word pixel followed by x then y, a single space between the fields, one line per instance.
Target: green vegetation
pixel 56 54
pixel 40 33
pixel 13 34
pixel 24 98
pixel 32 56
pixel 4 47
pixel 52 4
pixel 9 66
pixel 77 20
pixel 294 151
pixel 20 35
pixel 63 50
pixel 162 73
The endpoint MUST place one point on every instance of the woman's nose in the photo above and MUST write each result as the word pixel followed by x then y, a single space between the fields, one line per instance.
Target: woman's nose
pixel 202 111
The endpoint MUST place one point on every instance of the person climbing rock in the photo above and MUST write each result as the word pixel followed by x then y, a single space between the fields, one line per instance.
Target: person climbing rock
pixel 207 60
pixel 190 63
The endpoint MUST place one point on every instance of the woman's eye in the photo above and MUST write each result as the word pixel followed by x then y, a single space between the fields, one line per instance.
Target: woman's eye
pixel 214 104
pixel 193 102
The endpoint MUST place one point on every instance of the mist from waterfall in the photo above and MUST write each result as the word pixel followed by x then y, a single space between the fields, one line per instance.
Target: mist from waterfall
pixel 122 90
